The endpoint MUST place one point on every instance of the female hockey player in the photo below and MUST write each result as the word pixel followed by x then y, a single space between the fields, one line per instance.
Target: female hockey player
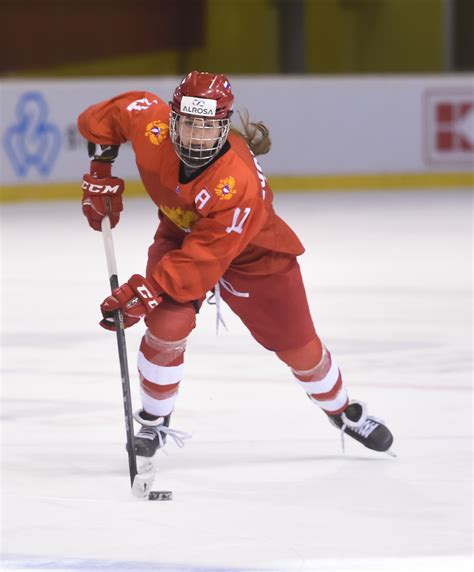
pixel 218 232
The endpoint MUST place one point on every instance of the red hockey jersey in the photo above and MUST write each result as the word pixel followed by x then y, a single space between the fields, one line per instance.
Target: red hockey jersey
pixel 222 218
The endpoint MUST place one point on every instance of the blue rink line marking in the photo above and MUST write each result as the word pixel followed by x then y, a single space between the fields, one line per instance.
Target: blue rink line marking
pixel 22 563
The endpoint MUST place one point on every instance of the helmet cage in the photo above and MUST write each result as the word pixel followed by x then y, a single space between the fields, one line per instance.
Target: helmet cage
pixel 202 142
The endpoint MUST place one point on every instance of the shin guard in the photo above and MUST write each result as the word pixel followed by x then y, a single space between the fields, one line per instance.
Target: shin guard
pixel 160 367
pixel 324 385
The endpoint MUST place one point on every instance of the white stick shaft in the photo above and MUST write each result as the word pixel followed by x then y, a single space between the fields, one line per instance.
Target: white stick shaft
pixel 109 246
pixel 122 349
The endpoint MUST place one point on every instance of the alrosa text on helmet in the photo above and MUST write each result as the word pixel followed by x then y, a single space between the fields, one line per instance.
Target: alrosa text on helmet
pixel 198 106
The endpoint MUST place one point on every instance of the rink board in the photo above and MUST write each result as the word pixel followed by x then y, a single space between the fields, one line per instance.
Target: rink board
pixel 410 181
pixel 334 131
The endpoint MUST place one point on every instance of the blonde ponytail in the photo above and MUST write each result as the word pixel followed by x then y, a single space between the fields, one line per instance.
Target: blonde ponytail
pixel 256 135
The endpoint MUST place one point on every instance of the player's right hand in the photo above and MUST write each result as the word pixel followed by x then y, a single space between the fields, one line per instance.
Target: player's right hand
pixel 102 195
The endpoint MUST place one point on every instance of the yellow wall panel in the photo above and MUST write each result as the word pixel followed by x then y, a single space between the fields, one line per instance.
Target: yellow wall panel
pixel 374 36
pixel 241 38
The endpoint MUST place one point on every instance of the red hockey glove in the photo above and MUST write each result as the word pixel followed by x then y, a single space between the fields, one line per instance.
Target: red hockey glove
pixel 135 298
pixel 102 195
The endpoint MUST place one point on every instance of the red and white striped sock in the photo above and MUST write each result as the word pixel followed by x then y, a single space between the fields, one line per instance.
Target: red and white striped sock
pixel 160 367
pixel 324 385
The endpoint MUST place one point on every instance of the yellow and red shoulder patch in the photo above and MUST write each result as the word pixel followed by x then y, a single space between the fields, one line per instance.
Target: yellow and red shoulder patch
pixel 156 131
pixel 225 189
pixel 184 219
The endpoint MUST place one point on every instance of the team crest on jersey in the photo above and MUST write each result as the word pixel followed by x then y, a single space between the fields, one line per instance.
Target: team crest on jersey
pixel 181 218
pixel 156 131
pixel 226 188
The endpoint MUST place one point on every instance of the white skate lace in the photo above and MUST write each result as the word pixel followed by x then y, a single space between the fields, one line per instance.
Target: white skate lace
pixel 364 426
pixel 217 296
pixel 179 437
pixel 157 428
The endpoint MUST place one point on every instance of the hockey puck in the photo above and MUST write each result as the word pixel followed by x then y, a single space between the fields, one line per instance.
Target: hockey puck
pixel 160 495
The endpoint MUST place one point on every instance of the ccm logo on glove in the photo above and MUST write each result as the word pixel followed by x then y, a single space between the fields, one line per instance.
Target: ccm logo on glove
pixel 135 299
pixel 147 297
pixel 102 189
pixel 102 195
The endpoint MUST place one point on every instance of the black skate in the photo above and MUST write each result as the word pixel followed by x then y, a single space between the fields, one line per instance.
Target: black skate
pixel 368 430
pixel 149 439
pixel 152 435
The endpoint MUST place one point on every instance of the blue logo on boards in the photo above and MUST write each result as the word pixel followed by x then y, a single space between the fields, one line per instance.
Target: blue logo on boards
pixel 32 141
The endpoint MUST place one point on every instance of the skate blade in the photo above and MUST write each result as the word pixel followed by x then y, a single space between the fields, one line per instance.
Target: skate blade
pixel 391 453
pixel 143 482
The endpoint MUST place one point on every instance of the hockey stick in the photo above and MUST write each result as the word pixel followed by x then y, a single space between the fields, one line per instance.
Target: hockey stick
pixel 122 350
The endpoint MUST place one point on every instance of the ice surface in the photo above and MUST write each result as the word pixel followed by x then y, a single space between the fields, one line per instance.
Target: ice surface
pixel 262 485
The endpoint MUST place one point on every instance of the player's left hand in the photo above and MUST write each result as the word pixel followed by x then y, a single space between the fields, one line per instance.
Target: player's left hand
pixel 135 299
